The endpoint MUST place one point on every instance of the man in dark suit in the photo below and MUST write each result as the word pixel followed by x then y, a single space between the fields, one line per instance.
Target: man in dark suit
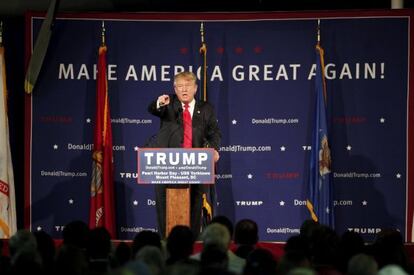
pixel 178 130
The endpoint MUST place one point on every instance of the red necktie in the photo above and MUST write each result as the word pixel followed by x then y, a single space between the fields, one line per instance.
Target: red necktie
pixel 188 128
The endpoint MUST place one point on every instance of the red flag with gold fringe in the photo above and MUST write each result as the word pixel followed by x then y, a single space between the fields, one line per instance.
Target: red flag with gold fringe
pixel 102 207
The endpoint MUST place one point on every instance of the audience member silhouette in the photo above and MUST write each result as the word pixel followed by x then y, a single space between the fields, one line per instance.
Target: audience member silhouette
pixel 123 254
pixel 298 243
pixel 71 260
pixel 224 221
pixel 99 250
pixel 4 260
pixel 350 244
pixel 46 249
pixel 214 260
pixel 260 262
pixel 25 259
pixel 143 238
pixel 308 228
pixel 246 236
pixel 153 257
pixel 76 233
pixel 324 245
pixel 388 248
pixel 362 264
pixel 292 259
pixel 218 235
pixel 180 244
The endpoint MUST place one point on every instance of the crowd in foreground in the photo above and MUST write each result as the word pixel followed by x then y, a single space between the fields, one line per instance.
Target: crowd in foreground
pixel 317 250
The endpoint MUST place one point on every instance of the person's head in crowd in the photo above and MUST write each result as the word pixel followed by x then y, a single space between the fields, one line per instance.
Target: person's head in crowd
pixel 216 234
pixel 297 243
pixel 362 264
pixel 308 228
pixel 46 248
pixel 224 221
pixel 180 243
pixel 99 250
pixel 392 269
pixel 324 247
pixel 24 255
pixel 187 268
pixel 71 260
pixel 143 238
pixel 246 236
pixel 350 244
pixel 213 258
pixel 388 249
pixel 293 259
pixel 76 233
pixel 22 239
pixel 260 262
pixel 302 271
pixel 153 258
pixel 99 243
pixel 123 253
pixel 246 232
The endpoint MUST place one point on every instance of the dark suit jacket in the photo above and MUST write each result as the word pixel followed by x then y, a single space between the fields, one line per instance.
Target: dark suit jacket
pixel 205 128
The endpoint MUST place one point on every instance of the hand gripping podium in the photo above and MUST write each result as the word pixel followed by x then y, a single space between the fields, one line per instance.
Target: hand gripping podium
pixel 177 169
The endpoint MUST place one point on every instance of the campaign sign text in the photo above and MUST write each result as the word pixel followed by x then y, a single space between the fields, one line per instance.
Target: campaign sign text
pixel 175 166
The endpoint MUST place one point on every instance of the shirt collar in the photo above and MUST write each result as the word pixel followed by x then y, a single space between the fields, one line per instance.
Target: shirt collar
pixel 190 105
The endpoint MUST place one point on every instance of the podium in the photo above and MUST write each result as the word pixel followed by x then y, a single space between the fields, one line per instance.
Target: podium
pixel 176 168
pixel 178 207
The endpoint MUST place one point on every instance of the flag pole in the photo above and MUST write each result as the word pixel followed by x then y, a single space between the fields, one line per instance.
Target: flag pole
pixel 40 47
pixel 318 38
pixel 103 33
pixel 203 51
pixel 320 49
pixel 1 33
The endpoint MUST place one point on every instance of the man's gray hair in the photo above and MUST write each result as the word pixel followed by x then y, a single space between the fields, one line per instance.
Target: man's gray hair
pixel 216 234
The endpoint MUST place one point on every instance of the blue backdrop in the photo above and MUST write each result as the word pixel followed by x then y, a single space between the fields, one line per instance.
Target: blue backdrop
pixel 261 82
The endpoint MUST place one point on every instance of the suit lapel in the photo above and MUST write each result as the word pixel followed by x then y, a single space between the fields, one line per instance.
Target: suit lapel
pixel 196 115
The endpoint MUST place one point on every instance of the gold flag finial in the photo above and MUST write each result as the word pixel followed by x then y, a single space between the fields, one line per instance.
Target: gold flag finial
pixel 103 33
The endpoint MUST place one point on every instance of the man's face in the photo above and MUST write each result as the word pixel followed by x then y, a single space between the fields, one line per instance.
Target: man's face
pixel 185 89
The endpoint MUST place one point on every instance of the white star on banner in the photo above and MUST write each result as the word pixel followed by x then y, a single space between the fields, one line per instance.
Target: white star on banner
pixel 282 203
pixel 55 146
pixel 234 122
pixel 39 228
pixel 364 203
pixel 398 176
pixel 282 148
pixel 135 202
pixel 382 120
pixel 136 148
pixel 327 210
pixel 349 147
pixel 70 201
pixel 249 176
pixel 88 120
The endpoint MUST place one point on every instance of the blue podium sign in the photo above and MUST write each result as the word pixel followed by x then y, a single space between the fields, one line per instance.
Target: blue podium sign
pixel 176 166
